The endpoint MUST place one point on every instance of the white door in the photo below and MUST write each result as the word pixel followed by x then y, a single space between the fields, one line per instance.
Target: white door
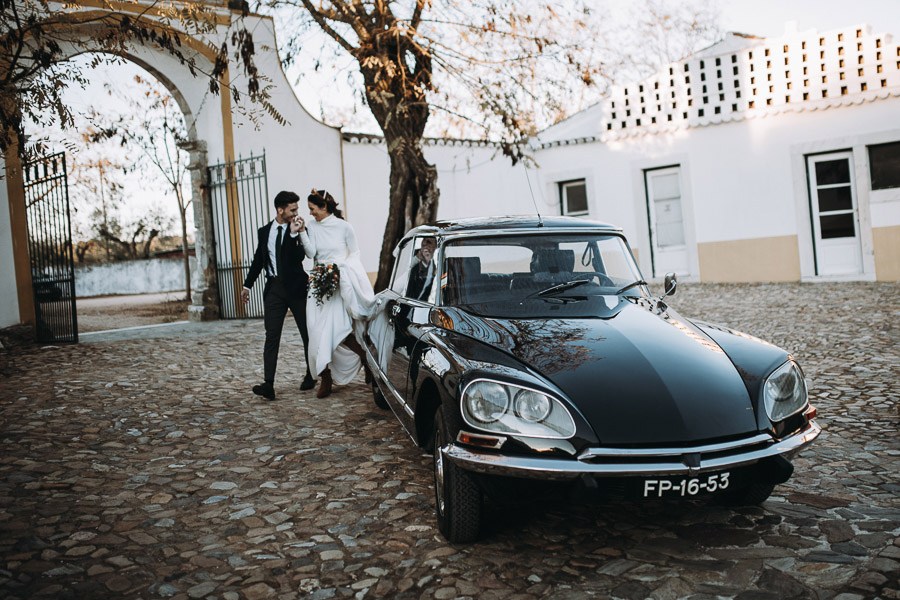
pixel 667 242
pixel 832 194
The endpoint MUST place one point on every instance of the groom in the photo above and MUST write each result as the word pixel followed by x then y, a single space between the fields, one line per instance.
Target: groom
pixel 279 252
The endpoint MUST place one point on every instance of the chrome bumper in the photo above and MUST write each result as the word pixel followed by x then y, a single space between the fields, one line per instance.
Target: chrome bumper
pixel 626 462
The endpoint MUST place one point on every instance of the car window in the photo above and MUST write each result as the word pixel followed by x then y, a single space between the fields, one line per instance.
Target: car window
pixel 584 253
pixel 507 275
pixel 401 268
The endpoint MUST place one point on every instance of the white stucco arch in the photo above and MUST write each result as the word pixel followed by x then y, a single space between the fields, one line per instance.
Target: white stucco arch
pixel 301 154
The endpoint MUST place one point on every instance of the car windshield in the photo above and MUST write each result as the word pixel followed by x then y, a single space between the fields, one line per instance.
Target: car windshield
pixel 534 275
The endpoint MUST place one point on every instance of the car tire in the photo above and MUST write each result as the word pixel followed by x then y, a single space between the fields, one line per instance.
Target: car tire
pixel 751 495
pixel 458 500
pixel 378 397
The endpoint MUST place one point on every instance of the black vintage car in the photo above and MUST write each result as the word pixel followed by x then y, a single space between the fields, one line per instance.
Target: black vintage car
pixel 532 348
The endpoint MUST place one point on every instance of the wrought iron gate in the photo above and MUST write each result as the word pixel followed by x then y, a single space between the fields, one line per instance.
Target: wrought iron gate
pixel 240 206
pixel 50 249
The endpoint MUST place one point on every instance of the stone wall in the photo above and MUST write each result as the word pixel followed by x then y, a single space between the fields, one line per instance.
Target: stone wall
pixel 131 277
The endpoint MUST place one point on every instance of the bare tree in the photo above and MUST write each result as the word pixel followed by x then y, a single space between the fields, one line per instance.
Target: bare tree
pixel 153 125
pixel 138 245
pixel 499 68
pixel 97 195
pixel 38 36
pixel 668 32
pixel 95 186
pixel 97 178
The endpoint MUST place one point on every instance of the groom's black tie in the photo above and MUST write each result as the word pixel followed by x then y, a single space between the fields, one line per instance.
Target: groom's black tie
pixel 278 261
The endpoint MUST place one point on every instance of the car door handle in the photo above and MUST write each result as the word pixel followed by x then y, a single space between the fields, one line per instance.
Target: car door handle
pixel 394 311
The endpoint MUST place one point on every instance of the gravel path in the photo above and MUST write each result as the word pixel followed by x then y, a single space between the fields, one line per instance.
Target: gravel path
pixel 115 312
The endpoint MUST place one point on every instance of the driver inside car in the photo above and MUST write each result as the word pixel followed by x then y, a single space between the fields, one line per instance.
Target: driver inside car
pixel 421 274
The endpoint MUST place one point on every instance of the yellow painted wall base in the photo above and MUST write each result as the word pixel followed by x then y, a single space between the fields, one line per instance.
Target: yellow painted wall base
pixel 15 190
pixel 886 242
pixel 746 261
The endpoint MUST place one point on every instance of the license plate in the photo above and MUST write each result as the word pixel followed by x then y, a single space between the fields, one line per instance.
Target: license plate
pixel 686 486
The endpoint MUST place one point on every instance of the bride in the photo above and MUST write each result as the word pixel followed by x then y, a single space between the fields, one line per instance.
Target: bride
pixel 336 323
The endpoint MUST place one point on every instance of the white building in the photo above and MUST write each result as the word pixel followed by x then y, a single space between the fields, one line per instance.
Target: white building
pixel 754 160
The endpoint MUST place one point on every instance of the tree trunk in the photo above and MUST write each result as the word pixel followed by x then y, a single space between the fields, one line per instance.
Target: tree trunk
pixel 133 246
pixel 396 94
pixel 127 248
pixel 145 253
pixel 182 212
pixel 413 197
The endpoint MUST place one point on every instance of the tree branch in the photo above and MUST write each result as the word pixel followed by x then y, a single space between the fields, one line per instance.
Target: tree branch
pixel 321 22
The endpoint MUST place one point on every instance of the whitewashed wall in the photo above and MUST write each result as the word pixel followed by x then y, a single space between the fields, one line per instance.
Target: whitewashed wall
pixel 131 277
pixel 303 154
pixel 739 178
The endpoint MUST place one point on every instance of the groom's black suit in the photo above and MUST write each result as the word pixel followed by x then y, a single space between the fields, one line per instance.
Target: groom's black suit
pixel 287 290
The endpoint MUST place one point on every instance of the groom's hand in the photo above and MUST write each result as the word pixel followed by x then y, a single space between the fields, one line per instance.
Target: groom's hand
pixel 297 225
pixel 245 295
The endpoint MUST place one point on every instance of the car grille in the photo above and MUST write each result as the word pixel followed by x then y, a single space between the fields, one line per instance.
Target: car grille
pixel 691 456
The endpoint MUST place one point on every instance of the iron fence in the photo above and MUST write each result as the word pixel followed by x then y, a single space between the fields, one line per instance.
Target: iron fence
pixel 50 248
pixel 240 206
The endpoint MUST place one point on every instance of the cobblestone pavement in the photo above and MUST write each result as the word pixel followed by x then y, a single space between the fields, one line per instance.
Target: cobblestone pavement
pixel 142 466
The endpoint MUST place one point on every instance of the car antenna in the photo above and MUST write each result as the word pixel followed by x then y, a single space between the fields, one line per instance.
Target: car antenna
pixel 533 201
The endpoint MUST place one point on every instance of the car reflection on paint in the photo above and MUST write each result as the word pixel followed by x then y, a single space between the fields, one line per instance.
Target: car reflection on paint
pixel 533 349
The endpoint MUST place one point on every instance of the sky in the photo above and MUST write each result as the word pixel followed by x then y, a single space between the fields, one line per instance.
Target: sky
pixel 758 17
pixel 767 17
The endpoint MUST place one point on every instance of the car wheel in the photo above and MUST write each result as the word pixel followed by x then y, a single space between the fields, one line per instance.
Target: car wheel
pixel 378 397
pixel 753 494
pixel 458 500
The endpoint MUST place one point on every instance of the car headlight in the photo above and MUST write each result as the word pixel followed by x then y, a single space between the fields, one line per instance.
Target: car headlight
pixel 487 401
pixel 512 409
pixel 784 392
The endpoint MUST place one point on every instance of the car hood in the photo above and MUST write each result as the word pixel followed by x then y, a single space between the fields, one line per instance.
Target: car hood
pixel 637 376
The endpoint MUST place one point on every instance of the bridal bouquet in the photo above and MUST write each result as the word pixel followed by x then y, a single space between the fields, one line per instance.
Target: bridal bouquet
pixel 324 281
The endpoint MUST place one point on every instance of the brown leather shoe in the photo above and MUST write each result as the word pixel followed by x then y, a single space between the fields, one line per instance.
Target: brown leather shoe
pixel 324 384
pixel 367 373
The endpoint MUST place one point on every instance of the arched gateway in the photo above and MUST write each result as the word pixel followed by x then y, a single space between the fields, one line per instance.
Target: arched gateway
pixel 239 157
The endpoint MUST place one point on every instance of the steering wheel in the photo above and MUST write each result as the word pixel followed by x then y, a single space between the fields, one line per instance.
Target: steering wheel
pixel 602 278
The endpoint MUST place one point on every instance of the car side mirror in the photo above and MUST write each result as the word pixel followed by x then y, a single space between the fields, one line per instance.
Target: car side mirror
pixel 670 285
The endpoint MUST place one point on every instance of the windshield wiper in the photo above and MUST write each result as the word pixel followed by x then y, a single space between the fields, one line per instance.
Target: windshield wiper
pixel 631 285
pixel 560 287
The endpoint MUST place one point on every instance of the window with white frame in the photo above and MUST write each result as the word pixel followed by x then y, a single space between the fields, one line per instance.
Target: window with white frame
pixel 884 166
pixel 573 198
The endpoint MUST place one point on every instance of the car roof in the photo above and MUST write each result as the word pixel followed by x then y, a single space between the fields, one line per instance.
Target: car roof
pixel 538 224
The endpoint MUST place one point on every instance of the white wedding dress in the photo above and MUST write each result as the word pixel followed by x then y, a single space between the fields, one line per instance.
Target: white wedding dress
pixel 332 241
